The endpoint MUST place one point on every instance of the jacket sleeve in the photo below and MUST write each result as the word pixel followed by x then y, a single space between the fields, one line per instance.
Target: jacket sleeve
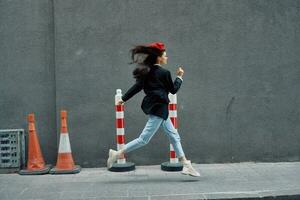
pixel 172 87
pixel 137 87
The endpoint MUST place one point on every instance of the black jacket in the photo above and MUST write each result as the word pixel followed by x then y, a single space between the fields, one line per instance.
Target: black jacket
pixel 156 84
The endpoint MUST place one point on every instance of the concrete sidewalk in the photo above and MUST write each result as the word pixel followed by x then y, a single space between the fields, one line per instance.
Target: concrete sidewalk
pixel 218 181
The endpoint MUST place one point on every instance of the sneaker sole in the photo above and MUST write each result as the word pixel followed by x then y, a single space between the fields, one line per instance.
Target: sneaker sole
pixel 183 173
pixel 109 163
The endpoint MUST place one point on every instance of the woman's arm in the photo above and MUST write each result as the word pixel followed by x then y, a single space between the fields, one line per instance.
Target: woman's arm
pixel 137 87
pixel 174 87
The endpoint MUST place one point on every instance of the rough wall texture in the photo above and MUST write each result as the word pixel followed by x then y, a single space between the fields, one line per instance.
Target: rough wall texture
pixel 240 99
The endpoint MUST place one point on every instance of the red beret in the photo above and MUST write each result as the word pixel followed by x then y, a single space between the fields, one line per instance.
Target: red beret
pixel 158 45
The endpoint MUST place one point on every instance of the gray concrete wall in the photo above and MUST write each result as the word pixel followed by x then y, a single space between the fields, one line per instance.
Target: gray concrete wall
pixel 27 69
pixel 240 96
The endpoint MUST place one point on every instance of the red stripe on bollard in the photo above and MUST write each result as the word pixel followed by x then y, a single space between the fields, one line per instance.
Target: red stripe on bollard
pixel 172 154
pixel 119 108
pixel 174 122
pixel 120 123
pixel 172 106
pixel 120 139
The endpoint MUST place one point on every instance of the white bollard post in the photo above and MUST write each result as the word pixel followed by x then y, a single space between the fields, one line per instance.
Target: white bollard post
pixel 174 164
pixel 121 165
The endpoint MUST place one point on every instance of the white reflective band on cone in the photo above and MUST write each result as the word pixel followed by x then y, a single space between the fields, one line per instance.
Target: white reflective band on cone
pixel 64 144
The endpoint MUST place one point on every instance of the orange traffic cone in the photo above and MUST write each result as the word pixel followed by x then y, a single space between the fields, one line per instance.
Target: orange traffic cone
pixel 35 163
pixel 65 163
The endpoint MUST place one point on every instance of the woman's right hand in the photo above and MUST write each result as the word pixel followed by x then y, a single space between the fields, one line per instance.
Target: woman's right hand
pixel 120 102
pixel 179 71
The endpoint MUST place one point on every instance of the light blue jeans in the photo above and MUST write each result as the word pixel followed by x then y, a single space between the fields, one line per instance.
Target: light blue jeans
pixel 150 129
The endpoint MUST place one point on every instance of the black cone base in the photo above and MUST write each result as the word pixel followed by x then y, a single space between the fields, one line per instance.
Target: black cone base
pixel 128 166
pixel 171 167
pixel 76 170
pixel 45 170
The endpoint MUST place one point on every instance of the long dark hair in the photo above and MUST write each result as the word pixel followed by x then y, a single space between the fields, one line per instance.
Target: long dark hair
pixel 145 57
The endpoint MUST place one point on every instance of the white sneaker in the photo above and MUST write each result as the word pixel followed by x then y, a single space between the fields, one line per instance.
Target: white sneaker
pixel 189 170
pixel 112 157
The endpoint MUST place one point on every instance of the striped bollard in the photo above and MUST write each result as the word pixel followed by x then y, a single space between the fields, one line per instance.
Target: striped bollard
pixel 174 164
pixel 121 165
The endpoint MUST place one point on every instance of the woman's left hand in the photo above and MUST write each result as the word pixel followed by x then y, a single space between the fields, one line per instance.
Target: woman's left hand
pixel 180 71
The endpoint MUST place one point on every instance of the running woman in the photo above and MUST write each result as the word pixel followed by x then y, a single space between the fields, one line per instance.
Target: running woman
pixel 157 83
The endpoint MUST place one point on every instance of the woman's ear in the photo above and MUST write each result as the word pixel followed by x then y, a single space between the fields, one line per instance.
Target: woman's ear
pixel 158 60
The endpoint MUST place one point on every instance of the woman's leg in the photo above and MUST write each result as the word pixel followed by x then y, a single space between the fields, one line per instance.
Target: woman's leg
pixel 150 129
pixel 175 141
pixel 174 138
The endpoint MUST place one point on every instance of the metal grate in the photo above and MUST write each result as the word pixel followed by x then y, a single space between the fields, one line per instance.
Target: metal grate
pixel 12 148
